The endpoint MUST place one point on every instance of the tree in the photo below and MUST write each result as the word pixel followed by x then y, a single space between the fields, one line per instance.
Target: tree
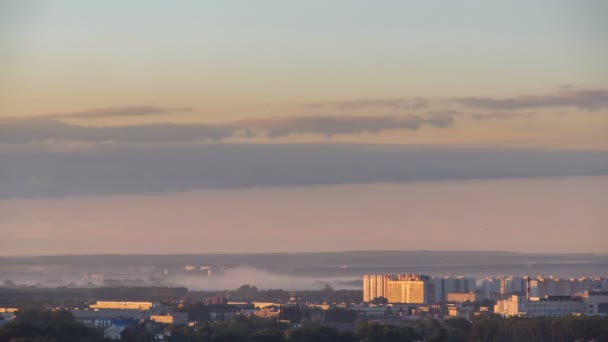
pixel 379 301
pixel 227 336
pixel 458 329
pixel 431 329
pixel 135 333
pixel 267 335
pixel 246 292
pixel 374 332
pixel 315 332
pixel 340 315
pixel 46 325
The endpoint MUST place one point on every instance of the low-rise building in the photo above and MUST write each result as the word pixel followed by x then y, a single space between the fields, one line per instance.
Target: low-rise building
pixel 88 317
pixel 596 303
pixel 268 312
pixel 176 318
pixel 113 332
pixel 462 297
pixel 121 305
pixel 107 322
pixel 370 311
pixel 551 306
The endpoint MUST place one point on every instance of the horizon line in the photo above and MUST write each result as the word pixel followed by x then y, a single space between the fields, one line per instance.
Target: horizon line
pixel 16 256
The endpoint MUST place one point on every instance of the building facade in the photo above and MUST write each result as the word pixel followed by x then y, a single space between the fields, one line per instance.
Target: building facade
pixel 540 287
pixel 404 288
pixel 554 306
pixel 459 284
pixel 375 286
pixel 596 303
pixel 175 318
pixel 463 297
pixel 121 305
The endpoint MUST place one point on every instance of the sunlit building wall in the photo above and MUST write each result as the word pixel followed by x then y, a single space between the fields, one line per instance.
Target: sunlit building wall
pixel 407 291
pixel 122 305
pixel 374 286
pixel 175 318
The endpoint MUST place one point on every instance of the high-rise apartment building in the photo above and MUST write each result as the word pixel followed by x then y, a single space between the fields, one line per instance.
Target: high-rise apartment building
pixel 540 287
pixel 459 284
pixel 374 286
pixel 406 291
pixel 405 288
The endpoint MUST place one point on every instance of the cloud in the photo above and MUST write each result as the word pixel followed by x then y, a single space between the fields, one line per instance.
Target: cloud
pixel 499 116
pixel 46 129
pixel 36 129
pixel 384 103
pixel 565 96
pixel 137 169
pixel 332 125
pixel 585 99
pixel 141 110
pixel 441 121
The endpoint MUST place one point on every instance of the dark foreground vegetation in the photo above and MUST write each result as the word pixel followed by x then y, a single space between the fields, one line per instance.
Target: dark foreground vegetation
pixel 19 296
pixel 44 325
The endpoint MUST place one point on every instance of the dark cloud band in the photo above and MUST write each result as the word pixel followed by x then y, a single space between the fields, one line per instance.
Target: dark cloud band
pixel 133 169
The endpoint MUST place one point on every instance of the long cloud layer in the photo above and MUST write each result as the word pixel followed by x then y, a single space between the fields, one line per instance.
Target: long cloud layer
pixel 589 99
pixel 136 170
pixel 45 129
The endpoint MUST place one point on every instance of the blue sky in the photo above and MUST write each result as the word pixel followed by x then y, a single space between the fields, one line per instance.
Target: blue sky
pixel 431 47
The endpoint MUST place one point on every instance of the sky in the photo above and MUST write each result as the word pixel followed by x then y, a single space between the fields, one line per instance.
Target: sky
pixel 303 125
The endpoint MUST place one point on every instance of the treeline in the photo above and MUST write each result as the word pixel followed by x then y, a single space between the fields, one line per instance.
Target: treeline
pixel 31 324
pixel 486 328
pixel 295 314
pixel 565 328
pixel 77 296
pixel 44 325
pixel 252 293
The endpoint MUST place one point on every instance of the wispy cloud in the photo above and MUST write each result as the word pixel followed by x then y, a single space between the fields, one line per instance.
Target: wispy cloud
pixel 138 110
pixel 588 99
pixel 36 129
pixel 329 125
pixel 45 129
pixel 585 99
pixel 382 103
pixel 499 116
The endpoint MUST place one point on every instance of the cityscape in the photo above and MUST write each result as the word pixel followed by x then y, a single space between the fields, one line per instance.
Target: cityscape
pixel 303 171
pixel 115 305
